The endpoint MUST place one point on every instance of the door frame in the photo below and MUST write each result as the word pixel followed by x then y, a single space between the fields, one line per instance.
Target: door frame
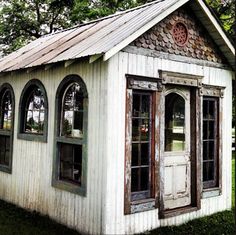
pixel 193 83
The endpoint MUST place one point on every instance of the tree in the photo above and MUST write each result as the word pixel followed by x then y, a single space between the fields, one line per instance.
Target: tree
pixel 225 11
pixel 24 20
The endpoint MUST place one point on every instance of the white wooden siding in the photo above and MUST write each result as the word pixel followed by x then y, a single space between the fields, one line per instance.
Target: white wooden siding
pixel 29 185
pixel 115 220
pixel 102 210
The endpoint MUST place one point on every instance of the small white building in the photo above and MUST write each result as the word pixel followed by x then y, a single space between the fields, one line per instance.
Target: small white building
pixel 123 124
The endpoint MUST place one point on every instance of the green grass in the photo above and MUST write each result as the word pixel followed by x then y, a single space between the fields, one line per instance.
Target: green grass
pixel 16 221
pixel 217 224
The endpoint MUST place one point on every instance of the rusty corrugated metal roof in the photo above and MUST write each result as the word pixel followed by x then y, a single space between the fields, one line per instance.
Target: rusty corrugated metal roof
pixel 94 38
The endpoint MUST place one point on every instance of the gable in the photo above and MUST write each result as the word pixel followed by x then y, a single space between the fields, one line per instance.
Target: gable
pixel 192 40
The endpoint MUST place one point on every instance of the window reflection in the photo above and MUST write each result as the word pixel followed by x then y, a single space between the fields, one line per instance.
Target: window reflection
pixel 6 111
pixel 72 109
pixel 35 112
pixel 174 123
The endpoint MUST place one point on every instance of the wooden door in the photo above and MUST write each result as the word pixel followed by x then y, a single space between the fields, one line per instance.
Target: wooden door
pixel 177 167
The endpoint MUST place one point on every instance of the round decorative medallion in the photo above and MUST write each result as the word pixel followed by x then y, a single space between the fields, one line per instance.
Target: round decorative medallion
pixel 180 33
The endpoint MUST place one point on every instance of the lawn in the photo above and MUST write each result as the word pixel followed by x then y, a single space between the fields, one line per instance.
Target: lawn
pixel 16 221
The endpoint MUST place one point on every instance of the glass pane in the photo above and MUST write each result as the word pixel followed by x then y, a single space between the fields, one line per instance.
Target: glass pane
pixel 205 150
pixel 208 171
pixel 135 130
pixel 72 125
pixel 136 105
pixel 145 154
pixel 144 128
pixel 67 123
pixel 144 178
pixel 145 108
pixel 34 120
pixel 6 111
pixel 134 180
pixel 205 128
pixel 135 151
pixel 174 123
pixel 211 130
pixel 71 162
pixel 211 113
pixel 211 153
pixel 205 109
pixel 4 150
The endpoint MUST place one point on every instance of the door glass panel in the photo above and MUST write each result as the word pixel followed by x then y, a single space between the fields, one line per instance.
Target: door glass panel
pixel 174 123
pixel 135 150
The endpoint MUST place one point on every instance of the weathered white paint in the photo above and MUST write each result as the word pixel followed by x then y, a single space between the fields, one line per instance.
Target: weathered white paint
pixel 120 64
pixel 29 185
pixel 102 210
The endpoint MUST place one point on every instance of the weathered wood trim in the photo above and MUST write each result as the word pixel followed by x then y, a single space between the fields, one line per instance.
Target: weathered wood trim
pixel 209 90
pixel 178 211
pixel 56 182
pixel 182 79
pixel 143 82
pixel 4 168
pixel 141 206
pixel 213 192
pixel 21 118
pixel 128 136
pixel 94 58
pixel 177 58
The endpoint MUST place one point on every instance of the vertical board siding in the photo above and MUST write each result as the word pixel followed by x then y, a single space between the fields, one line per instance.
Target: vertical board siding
pixel 120 64
pixel 29 185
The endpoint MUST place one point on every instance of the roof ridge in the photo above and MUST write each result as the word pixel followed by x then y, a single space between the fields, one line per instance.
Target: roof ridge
pixel 105 17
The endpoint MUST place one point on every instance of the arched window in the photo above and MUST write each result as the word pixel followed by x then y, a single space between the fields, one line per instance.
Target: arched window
pixel 174 122
pixel 33 112
pixel 6 127
pixel 71 135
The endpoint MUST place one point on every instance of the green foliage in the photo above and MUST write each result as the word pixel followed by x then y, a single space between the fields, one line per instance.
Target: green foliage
pixel 24 20
pixel 225 11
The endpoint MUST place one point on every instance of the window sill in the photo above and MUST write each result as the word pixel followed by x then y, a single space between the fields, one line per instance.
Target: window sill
pixel 178 211
pixel 143 205
pixel 66 186
pixel 32 137
pixel 211 192
pixel 5 169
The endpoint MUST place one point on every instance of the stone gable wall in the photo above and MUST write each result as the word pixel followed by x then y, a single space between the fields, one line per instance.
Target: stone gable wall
pixel 199 44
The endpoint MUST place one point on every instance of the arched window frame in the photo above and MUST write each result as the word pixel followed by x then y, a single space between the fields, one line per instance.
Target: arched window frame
pixel 22 114
pixel 8 133
pixel 60 139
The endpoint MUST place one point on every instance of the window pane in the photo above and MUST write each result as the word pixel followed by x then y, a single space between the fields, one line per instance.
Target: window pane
pixel 205 109
pixel 71 162
pixel 135 151
pixel 145 154
pixel 211 112
pixel 205 150
pixel 144 128
pixel 72 124
pixel 134 180
pixel 34 119
pixel 136 105
pixel 4 150
pixel 6 111
pixel 208 171
pixel 135 130
pixel 144 178
pixel 211 131
pixel 205 128
pixel 174 123
pixel 145 109
pixel 211 145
